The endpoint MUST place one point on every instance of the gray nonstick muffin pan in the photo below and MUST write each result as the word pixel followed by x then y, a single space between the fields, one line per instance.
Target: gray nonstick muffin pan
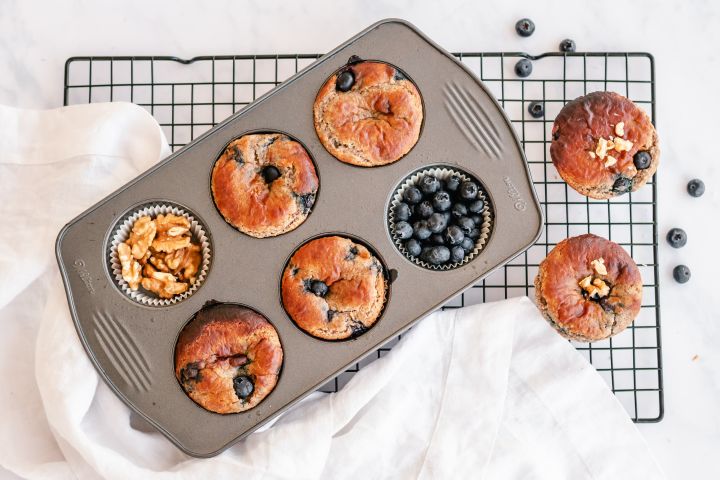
pixel 132 345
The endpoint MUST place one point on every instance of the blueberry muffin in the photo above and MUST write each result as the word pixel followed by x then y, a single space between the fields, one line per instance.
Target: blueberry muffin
pixel 588 288
pixel 264 184
pixel 603 145
pixel 228 358
pixel 333 288
pixel 368 114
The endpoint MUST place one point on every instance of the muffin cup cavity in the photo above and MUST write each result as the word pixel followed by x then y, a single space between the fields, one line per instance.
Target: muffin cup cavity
pixel 121 232
pixel 442 173
pixel 386 274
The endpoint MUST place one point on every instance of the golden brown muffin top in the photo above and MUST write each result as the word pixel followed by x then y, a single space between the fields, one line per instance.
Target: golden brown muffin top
pixel 569 308
pixel 376 122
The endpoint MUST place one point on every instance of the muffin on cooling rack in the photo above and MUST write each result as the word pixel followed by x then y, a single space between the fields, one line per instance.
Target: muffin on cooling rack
pixel 603 145
pixel 264 184
pixel 228 358
pixel 588 288
pixel 368 114
pixel 334 288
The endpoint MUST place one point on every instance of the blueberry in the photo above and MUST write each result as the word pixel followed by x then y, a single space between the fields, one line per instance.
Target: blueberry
pixel 306 201
pixel 642 160
pixel 452 183
pixel 403 230
pixel 413 247
pixel 477 219
pixel 243 386
pixel 345 80
pixel 459 210
pixel 696 187
pixel 467 244
pixel 681 273
pixel 677 237
pixel 454 235
pixel 536 109
pixel 523 68
pixel 437 239
pixel 421 230
pixel 525 27
pixel 412 195
pixel 402 212
pixel 437 255
pixel 622 185
pixel 436 223
pixel 447 216
pixel 567 45
pixel 466 225
pixel 441 201
pixel 474 234
pixel 354 59
pixel 319 288
pixel 424 209
pixel 429 184
pixel 477 206
pixel 468 191
pixel 270 174
pixel 457 254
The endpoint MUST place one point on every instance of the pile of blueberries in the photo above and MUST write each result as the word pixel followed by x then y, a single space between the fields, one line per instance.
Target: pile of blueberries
pixel 439 220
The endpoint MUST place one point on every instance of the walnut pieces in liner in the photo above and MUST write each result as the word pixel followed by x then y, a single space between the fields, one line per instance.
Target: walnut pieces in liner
pixel 160 255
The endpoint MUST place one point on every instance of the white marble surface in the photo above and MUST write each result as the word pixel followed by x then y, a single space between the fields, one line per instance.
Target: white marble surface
pixel 36 38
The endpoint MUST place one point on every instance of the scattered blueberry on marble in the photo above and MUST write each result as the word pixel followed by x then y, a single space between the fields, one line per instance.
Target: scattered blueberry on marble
pixel 567 45
pixel 677 237
pixel 525 27
pixel 681 274
pixel 536 109
pixel 523 68
pixel 696 187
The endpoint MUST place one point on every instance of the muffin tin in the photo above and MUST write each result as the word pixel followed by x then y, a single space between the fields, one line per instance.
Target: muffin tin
pixel 132 345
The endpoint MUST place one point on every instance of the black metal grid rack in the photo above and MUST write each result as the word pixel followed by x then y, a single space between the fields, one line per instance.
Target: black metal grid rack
pixel 187 97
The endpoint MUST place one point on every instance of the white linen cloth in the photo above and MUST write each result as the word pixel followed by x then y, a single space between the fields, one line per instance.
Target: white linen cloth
pixel 488 391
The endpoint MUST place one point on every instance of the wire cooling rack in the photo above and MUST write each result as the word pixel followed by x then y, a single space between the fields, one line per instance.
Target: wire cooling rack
pixel 188 97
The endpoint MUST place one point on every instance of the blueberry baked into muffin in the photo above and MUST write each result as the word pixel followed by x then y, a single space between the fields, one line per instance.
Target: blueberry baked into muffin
pixel 588 288
pixel 334 288
pixel 228 358
pixel 603 145
pixel 368 114
pixel 264 184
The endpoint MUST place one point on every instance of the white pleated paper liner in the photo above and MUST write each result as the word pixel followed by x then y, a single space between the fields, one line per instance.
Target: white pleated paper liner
pixel 442 173
pixel 122 233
